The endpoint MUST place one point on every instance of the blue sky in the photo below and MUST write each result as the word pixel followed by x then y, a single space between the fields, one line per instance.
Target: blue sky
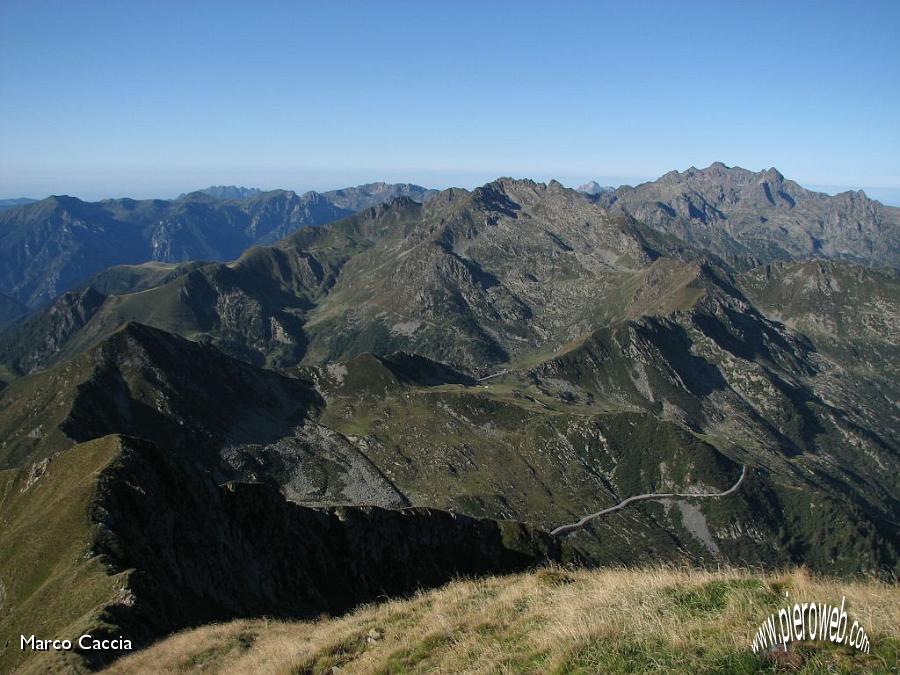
pixel 155 98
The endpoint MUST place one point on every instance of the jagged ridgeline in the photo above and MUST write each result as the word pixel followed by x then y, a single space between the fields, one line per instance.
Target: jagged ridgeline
pixel 423 390
pixel 49 246
pixel 734 212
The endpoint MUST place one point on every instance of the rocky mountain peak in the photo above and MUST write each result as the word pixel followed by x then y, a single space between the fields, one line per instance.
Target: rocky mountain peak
pixel 772 174
pixel 762 215
pixel 508 183
pixel 450 195
pixel 393 205
pixel 516 190
pixel 592 187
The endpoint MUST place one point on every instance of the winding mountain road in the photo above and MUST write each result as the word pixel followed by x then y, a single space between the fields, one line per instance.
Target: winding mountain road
pixel 571 527
pixel 493 375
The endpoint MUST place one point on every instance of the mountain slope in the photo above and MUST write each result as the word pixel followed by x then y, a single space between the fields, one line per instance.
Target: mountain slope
pixel 848 311
pixel 487 275
pixel 228 192
pixel 507 270
pixel 612 621
pixel 619 360
pixel 151 545
pixel 12 203
pixel 224 507
pixel 543 446
pixel 50 246
pixel 732 211
pixel 363 196
pixel 151 384
pixel 10 310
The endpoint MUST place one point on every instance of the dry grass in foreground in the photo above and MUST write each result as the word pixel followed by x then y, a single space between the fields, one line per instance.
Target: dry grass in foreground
pixel 551 621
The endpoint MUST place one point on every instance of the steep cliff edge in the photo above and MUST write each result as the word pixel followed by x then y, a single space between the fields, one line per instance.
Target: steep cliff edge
pixel 163 547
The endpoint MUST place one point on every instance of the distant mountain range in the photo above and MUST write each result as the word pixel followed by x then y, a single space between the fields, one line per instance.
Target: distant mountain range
pixel 227 192
pixel 11 203
pixel 732 211
pixel 427 387
pixel 48 247
pixel 593 188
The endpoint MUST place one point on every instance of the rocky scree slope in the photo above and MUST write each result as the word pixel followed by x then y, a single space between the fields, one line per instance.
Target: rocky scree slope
pixel 234 420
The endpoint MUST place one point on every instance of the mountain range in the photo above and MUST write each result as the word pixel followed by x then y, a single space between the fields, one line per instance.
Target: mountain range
pixel 432 385
pixel 749 218
pixel 12 203
pixel 227 192
pixel 47 247
pixel 732 211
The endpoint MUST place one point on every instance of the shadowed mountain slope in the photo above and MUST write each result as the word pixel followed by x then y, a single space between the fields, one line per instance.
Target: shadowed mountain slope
pixel 151 384
pixel 156 547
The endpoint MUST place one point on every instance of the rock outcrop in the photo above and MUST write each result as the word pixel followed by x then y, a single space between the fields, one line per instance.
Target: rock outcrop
pixel 196 552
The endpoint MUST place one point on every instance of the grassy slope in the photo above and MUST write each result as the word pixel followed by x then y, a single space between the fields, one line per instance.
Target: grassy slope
pixel 495 451
pixel 549 621
pixel 52 588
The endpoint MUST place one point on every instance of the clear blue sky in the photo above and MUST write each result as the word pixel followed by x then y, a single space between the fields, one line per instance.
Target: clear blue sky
pixel 153 98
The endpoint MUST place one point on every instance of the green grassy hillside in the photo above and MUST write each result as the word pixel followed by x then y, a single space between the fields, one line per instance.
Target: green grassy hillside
pixel 551 621
pixel 50 585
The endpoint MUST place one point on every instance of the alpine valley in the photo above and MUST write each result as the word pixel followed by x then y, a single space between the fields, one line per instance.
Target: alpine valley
pixel 239 403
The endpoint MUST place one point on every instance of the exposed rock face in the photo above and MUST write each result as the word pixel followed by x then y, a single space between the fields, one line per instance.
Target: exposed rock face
pixel 316 466
pixel 732 211
pixel 199 553
pixel 43 336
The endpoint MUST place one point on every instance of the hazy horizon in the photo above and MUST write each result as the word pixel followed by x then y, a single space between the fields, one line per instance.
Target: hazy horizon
pixel 148 99
pixel 886 195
